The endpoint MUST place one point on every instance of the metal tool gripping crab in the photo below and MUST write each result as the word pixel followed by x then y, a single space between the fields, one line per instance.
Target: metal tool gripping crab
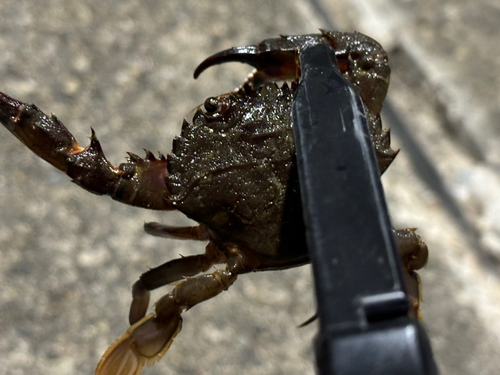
pixel 232 170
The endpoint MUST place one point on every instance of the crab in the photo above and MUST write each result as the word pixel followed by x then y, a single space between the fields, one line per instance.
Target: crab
pixel 233 170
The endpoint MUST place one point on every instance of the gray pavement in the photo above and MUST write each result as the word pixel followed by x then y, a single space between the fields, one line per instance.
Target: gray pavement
pixel 69 258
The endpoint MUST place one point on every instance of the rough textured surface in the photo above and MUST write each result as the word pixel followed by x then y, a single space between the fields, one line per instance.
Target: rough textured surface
pixel 217 155
pixel 68 259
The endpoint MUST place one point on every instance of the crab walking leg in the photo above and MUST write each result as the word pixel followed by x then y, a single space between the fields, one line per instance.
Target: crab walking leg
pixel 198 233
pixel 168 273
pixel 146 342
pixel 413 249
pixel 141 182
pixel 414 253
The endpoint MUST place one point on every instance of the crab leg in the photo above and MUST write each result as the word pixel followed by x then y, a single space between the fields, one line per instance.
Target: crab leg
pixel 414 253
pixel 198 233
pixel 140 182
pixel 168 273
pixel 146 341
pixel 413 250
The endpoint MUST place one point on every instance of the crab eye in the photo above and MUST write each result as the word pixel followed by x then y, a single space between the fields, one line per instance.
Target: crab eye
pixel 211 104
pixel 367 62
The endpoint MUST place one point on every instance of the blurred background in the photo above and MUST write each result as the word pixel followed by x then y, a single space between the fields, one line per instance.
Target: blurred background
pixel 68 258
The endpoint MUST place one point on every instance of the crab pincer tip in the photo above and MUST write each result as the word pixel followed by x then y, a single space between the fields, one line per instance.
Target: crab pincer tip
pixel 246 55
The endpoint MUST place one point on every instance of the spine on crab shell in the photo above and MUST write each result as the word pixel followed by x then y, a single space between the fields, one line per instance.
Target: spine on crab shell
pixel 140 182
pixel 284 89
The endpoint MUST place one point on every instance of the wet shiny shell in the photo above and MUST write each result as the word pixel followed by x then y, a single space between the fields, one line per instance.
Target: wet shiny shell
pixel 233 169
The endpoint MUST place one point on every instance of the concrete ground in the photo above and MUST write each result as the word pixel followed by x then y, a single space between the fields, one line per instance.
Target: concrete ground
pixel 68 258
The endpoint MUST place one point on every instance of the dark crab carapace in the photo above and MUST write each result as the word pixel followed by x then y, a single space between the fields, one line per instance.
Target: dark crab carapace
pixel 232 170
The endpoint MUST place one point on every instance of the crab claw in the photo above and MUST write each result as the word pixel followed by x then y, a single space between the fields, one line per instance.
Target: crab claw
pixel 360 59
pixel 276 64
pixel 143 344
pixel 274 59
pixel 245 55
